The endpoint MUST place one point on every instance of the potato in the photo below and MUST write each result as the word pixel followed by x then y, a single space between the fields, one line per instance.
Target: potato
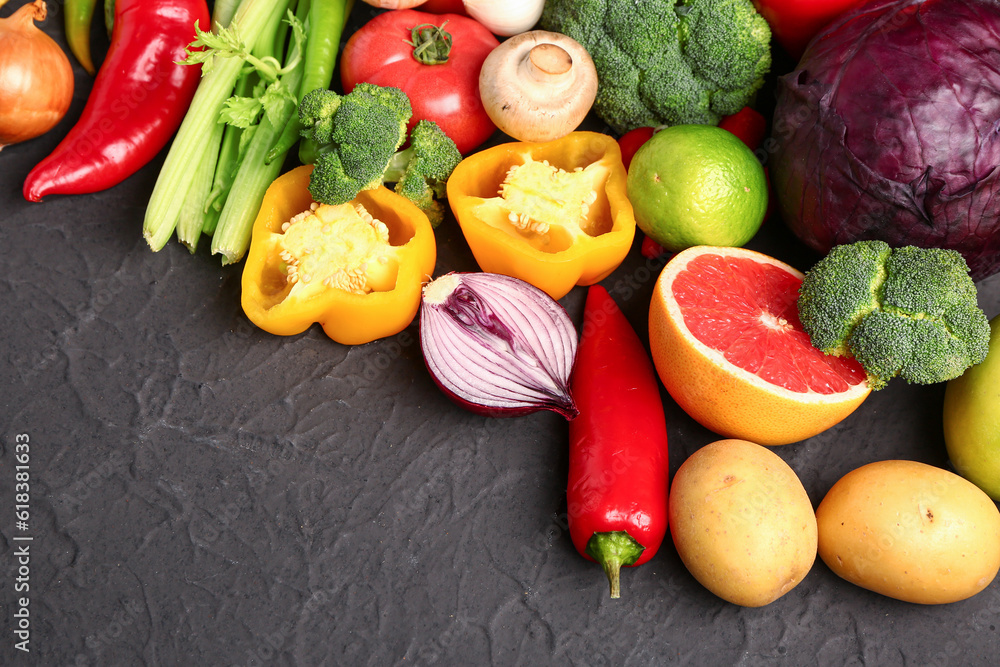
pixel 742 523
pixel 910 531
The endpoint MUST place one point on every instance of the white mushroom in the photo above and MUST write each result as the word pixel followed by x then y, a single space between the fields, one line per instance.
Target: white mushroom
pixel 538 85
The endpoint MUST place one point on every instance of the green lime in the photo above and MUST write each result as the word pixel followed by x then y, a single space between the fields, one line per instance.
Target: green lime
pixel 697 185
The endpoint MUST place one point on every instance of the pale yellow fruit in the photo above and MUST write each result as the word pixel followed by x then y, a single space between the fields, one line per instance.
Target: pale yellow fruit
pixel 742 522
pixel 910 531
pixel 971 420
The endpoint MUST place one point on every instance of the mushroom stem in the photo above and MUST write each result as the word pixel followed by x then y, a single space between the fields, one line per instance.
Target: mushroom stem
pixel 546 61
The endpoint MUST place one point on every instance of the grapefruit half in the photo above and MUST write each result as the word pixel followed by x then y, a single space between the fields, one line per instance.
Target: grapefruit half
pixel 725 336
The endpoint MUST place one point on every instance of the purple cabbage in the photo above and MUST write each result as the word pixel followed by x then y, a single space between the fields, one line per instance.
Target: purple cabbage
pixel 888 129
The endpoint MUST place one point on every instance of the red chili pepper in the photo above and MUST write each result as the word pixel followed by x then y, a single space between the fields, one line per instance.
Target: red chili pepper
pixel 138 100
pixel 618 464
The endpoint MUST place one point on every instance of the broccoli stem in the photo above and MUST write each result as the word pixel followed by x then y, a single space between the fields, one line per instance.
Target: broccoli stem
pixel 397 165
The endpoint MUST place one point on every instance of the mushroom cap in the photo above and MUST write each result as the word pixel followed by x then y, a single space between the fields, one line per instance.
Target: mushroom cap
pixel 538 85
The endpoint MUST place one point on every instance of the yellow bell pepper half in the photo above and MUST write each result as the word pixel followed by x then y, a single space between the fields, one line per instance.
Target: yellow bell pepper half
pixel 357 269
pixel 553 214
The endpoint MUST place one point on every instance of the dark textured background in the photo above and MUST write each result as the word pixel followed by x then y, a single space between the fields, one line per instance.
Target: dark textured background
pixel 204 493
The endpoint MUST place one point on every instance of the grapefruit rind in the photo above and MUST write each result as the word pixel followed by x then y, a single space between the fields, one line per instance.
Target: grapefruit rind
pixel 722 397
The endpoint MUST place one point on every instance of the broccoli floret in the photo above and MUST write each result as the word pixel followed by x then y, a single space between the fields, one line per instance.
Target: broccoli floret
pixel 909 312
pixel 854 275
pixel 421 170
pixel 358 137
pixel 668 62
pixel 356 134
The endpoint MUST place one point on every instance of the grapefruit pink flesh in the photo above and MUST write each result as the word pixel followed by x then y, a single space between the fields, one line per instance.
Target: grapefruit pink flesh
pixel 747 310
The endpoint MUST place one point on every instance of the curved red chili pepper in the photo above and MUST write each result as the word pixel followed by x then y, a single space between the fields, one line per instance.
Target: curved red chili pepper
pixel 618 463
pixel 138 100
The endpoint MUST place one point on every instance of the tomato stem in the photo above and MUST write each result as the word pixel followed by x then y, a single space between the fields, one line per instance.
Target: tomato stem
pixel 431 44
pixel 614 550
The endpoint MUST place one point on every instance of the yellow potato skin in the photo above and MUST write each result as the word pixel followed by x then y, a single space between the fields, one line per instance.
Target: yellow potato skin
pixel 910 531
pixel 742 523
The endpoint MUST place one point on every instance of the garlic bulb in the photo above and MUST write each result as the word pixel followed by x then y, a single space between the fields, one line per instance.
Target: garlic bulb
pixel 506 17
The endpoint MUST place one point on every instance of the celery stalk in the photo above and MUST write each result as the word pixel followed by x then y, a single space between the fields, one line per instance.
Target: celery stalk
pixel 193 215
pixel 191 141
pixel 231 151
pixel 223 12
pixel 232 235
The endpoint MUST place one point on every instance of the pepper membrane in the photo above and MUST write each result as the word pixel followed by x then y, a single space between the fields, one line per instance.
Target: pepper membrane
pixel 554 214
pixel 357 268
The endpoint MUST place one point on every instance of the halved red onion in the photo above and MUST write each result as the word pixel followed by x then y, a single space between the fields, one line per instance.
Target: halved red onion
pixel 497 345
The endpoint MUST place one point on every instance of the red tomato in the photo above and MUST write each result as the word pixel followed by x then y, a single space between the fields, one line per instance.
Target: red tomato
pixel 444 7
pixel 795 22
pixel 448 94
pixel 747 124
pixel 630 142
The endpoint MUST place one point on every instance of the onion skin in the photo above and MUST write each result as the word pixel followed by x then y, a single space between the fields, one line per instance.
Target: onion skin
pixel 498 346
pixel 36 77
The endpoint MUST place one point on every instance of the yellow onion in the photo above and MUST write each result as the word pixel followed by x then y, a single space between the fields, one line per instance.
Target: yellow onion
pixel 36 78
